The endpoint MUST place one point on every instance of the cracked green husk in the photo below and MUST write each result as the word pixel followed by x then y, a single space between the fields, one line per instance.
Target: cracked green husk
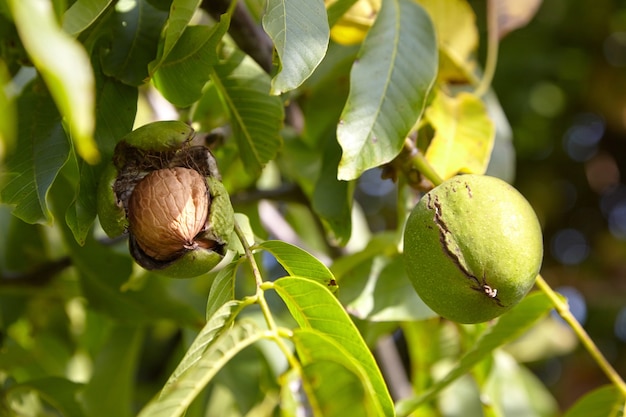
pixel 472 248
pixel 165 136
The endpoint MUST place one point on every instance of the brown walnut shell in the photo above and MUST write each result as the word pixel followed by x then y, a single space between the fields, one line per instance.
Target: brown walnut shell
pixel 167 210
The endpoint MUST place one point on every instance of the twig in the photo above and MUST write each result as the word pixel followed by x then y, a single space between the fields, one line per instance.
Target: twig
pixel 38 277
pixel 492 49
pixel 419 162
pixel 562 308
pixel 246 33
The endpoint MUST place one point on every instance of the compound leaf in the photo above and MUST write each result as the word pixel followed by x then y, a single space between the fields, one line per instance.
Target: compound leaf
pixel 314 307
pixel 389 85
pixel 255 116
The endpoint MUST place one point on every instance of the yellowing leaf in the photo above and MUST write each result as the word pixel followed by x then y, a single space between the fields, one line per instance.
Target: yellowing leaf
pixel 457 36
pixel 464 135
pixel 352 27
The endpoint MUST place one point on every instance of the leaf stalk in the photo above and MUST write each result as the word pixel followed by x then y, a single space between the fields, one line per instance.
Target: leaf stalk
pixel 562 308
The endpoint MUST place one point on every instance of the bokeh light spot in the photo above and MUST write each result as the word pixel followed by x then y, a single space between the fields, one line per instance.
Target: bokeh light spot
pixel 581 140
pixel 615 49
pixel 617 221
pixel 620 325
pixel 576 302
pixel 570 247
pixel 547 99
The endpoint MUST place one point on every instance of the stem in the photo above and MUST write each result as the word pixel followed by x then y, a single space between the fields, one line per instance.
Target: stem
pixel 274 331
pixel 492 49
pixel 421 164
pixel 563 309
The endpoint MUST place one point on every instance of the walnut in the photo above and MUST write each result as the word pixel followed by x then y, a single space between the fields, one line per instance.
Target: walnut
pixel 167 210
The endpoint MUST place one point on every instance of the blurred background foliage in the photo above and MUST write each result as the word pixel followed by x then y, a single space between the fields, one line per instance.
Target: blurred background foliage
pixel 561 81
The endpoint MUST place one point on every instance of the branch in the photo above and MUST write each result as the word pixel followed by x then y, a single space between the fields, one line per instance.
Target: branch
pixel 248 35
pixel 37 277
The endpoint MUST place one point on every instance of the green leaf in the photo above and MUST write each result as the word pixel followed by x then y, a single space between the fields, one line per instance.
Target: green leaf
pixel 111 387
pixel 508 327
pixel 325 93
pixel 117 106
pixel 298 262
pixel 82 14
pixel 25 246
pixel 314 307
pixel 65 67
pixel 178 394
pixel 41 152
pixel 255 116
pixel 513 389
pixel 222 289
pixel 134 38
pixel 385 293
pixel 219 321
pixel 464 135
pixel 389 84
pixel 8 121
pixel 332 198
pixel 60 393
pixel 374 285
pixel 605 401
pixel 183 74
pixel 181 12
pixel 300 32
pixel 339 383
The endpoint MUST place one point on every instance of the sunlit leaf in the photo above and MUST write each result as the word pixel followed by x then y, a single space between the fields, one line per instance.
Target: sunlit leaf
pixel 40 153
pixel 605 401
pixel 83 13
pixel 351 26
pixel 334 383
pixel 314 307
pixel 181 12
pixel 514 14
pixel 509 326
pixel 178 394
pixel 464 135
pixel 256 117
pixel 134 37
pixel 389 84
pixel 299 30
pixel 8 120
pixel 298 262
pixel 185 71
pixel 514 389
pixel 109 392
pixel 65 67
pixel 384 291
pixel 457 37
pixel 117 106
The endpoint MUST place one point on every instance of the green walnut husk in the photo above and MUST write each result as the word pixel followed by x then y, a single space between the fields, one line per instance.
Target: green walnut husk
pixel 165 146
pixel 472 248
